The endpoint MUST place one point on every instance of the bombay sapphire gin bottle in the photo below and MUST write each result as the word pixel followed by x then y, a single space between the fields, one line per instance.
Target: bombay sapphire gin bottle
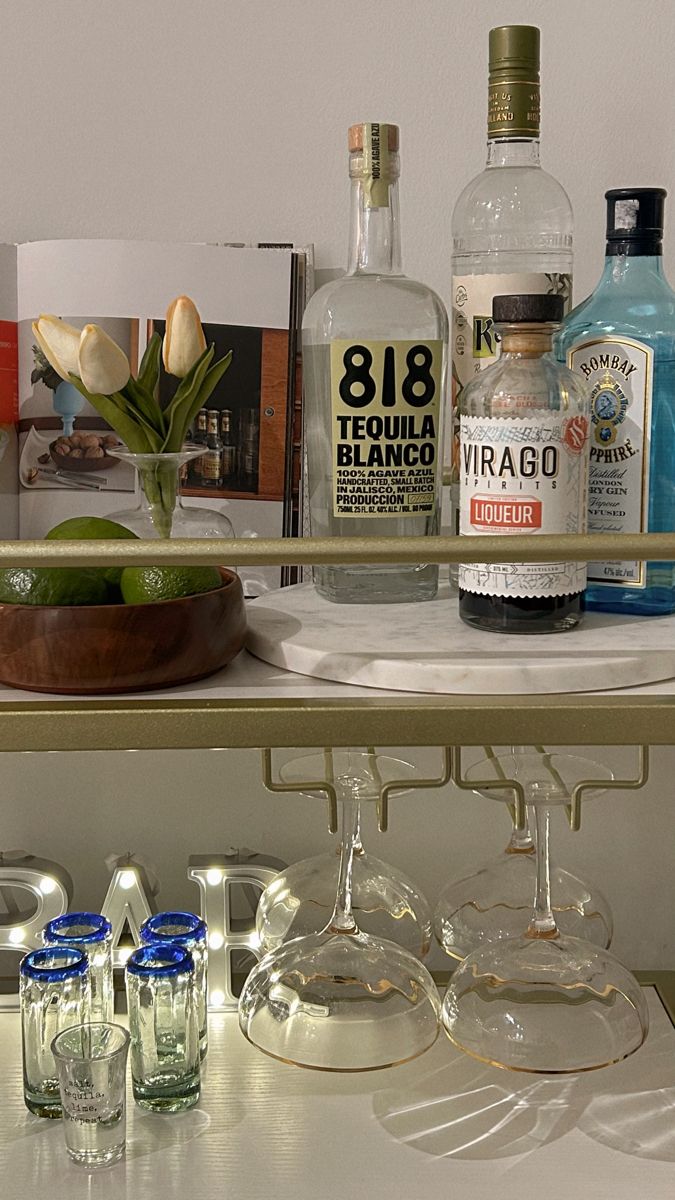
pixel 374 349
pixel 512 224
pixel 622 341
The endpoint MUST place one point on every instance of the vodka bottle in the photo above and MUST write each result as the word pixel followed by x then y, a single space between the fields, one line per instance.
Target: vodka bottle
pixel 524 428
pixel 512 224
pixel 374 354
pixel 622 340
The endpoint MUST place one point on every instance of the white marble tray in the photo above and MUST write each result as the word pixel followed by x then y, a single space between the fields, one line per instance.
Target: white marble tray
pixel 441 1126
pixel 426 648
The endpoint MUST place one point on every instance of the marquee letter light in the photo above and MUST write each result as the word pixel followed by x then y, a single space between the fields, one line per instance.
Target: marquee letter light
pixel 216 876
pixel 129 901
pixel 49 890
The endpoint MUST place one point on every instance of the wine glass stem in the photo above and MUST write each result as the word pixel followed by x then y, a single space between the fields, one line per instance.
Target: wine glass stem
pixel 542 924
pixel 343 918
pixel 521 839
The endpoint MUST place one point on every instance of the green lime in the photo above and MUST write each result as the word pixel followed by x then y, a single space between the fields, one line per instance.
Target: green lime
pixel 52 585
pixel 143 585
pixel 76 528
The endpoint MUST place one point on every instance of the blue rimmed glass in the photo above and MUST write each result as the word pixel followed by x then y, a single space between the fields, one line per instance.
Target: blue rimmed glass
pixel 163 1027
pixel 54 991
pixel 92 934
pixel 188 930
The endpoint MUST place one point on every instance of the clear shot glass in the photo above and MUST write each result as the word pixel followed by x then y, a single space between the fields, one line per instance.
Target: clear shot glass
pixel 92 934
pixel 92 1060
pixel 163 1026
pixel 54 992
pixel 188 930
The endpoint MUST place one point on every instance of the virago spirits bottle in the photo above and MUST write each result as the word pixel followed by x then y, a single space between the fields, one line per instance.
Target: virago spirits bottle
pixel 512 224
pixel 622 340
pixel 524 427
pixel 374 353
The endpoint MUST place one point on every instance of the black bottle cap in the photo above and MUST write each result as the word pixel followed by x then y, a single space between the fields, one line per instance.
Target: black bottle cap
pixel 635 220
pixel 514 310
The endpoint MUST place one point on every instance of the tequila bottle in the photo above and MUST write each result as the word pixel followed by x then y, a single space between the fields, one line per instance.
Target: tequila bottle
pixel 622 340
pixel 524 427
pixel 374 352
pixel 512 224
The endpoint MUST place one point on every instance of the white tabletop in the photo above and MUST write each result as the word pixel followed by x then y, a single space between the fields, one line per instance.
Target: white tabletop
pixel 443 1126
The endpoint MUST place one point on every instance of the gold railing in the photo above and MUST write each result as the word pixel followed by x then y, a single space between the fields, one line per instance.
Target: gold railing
pixel 312 551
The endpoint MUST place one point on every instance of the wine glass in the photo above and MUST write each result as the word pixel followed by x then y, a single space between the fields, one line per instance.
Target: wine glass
pixel 341 999
pixel 494 902
pixel 385 902
pixel 545 1000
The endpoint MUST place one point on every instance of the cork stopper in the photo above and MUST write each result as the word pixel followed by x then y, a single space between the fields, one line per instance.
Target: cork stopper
pixel 357 136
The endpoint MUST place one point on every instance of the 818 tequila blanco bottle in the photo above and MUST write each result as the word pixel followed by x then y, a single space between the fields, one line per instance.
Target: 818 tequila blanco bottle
pixel 512 224
pixel 374 354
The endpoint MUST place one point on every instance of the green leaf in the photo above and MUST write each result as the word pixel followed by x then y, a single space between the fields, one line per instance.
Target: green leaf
pixel 182 404
pixel 155 437
pixel 146 405
pixel 148 372
pixel 128 429
pixel 211 380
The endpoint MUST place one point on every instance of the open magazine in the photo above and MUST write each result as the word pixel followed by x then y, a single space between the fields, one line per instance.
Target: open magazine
pixel 250 301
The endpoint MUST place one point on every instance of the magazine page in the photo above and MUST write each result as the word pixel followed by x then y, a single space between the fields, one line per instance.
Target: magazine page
pixel 247 299
pixel 9 397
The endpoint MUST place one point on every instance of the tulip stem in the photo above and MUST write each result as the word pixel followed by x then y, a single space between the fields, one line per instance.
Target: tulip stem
pixel 159 483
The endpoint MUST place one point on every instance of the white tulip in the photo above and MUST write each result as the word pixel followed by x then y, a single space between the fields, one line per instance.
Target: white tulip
pixel 184 340
pixel 59 343
pixel 102 366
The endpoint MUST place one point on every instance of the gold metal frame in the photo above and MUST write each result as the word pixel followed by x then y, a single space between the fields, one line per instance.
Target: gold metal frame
pixel 500 782
pixel 327 786
pixel 588 547
pixel 179 722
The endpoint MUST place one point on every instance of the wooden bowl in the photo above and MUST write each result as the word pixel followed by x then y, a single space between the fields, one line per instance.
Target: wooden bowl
pixel 65 463
pixel 109 648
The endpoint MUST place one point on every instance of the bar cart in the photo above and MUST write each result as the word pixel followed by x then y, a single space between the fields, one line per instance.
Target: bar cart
pixel 443 1120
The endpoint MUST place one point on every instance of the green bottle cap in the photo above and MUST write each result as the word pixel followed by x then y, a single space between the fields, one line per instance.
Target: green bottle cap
pixel 515 48
pixel 513 89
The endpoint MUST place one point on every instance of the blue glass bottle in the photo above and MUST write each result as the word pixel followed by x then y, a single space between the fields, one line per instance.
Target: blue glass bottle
pixel 622 339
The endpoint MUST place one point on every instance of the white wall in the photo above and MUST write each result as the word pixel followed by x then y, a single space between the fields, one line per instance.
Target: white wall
pixel 227 121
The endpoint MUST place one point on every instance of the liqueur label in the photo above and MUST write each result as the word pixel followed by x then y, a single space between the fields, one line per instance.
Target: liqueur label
pixel 523 475
pixel 385 416
pixel 475 345
pixel 619 373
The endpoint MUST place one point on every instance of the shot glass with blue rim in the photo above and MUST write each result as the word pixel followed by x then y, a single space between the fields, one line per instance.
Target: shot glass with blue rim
pixel 54 990
pixel 92 934
pixel 188 930
pixel 163 1027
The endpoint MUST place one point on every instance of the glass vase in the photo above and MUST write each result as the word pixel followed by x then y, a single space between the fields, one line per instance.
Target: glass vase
pixel 160 510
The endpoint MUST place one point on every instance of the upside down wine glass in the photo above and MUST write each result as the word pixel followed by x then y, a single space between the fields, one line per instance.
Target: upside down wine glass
pixel 545 1001
pixel 341 999
pixel 494 901
pixel 385 902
